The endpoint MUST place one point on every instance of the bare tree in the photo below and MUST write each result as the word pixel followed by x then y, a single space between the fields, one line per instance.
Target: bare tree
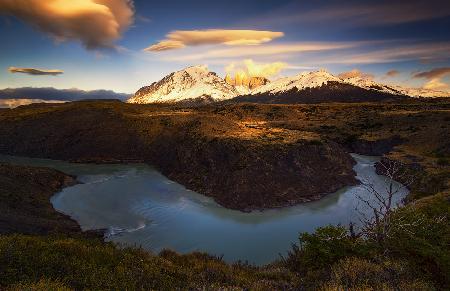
pixel 377 223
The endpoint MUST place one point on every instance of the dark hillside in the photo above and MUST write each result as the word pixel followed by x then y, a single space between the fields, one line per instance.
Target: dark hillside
pixel 327 93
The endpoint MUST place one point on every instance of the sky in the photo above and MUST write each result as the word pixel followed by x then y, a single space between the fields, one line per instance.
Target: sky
pixel 122 45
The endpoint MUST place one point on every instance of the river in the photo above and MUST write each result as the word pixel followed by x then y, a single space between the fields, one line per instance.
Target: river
pixel 141 207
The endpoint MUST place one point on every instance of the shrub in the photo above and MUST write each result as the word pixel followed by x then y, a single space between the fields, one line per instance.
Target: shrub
pixel 420 233
pixel 82 263
pixel 323 248
pixel 360 274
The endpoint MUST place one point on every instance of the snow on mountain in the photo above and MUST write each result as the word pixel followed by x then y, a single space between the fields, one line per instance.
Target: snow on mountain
pixel 299 82
pixel 319 78
pixel 193 83
pixel 197 83
pixel 369 84
pixel 422 92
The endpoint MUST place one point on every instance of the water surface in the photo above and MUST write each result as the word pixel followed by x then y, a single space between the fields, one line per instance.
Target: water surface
pixel 141 207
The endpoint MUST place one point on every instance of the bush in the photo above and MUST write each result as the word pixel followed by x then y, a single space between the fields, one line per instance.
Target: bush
pixel 360 274
pixel 82 263
pixel 420 233
pixel 322 249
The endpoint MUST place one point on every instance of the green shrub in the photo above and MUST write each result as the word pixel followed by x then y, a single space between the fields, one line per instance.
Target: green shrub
pixel 360 274
pixel 420 233
pixel 319 250
pixel 82 263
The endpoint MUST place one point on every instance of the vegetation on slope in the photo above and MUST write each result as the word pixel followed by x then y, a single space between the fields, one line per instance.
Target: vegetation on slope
pixel 414 258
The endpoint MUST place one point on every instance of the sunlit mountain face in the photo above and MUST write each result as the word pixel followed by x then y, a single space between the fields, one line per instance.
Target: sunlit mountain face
pixel 124 45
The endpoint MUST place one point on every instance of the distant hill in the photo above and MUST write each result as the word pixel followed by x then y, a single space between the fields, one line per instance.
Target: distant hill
pixel 50 93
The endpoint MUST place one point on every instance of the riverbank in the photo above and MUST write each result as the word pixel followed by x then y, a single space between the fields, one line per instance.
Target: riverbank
pixel 245 156
pixel 25 206
pixel 330 258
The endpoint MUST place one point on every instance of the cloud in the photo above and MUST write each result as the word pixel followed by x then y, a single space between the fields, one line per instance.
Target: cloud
pixel 392 73
pixel 95 23
pixel 35 72
pixel 266 50
pixel 250 68
pixel 13 103
pixel 394 52
pixel 381 13
pixel 59 94
pixel 355 73
pixel 182 38
pixel 436 84
pixel 362 13
pixel 165 45
pixel 434 78
pixel 433 74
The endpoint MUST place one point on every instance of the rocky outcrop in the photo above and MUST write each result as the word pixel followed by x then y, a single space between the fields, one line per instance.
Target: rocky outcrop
pixel 374 147
pixel 250 83
pixel 245 175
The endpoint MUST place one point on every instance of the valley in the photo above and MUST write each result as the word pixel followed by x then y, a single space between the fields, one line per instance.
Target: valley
pixel 245 156
pixel 207 149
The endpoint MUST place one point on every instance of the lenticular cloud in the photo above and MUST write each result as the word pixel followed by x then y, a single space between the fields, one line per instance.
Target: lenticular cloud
pixel 95 23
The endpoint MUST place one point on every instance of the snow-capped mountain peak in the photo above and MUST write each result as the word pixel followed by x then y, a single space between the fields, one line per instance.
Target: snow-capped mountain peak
pixel 198 84
pixel 298 82
pixel 369 84
pixel 192 83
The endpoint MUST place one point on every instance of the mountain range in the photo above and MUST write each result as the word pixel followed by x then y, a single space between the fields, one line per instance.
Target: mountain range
pixel 50 93
pixel 197 84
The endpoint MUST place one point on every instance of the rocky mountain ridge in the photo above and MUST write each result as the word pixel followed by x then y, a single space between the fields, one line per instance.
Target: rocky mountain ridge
pixel 192 83
pixel 197 83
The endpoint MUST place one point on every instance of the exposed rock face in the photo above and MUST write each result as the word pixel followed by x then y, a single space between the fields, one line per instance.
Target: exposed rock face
pixel 374 148
pixel 247 176
pixel 256 82
pixel 250 83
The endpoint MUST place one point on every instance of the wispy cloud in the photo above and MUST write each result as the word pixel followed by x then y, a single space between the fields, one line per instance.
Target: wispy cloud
pixel 360 13
pixel 393 52
pixel 13 103
pixel 96 23
pixel 379 13
pixel 254 69
pixel 50 93
pixel 35 72
pixel 392 73
pixel 265 50
pixel 436 84
pixel 182 38
pixel 355 73
pixel 434 73
pixel 434 78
